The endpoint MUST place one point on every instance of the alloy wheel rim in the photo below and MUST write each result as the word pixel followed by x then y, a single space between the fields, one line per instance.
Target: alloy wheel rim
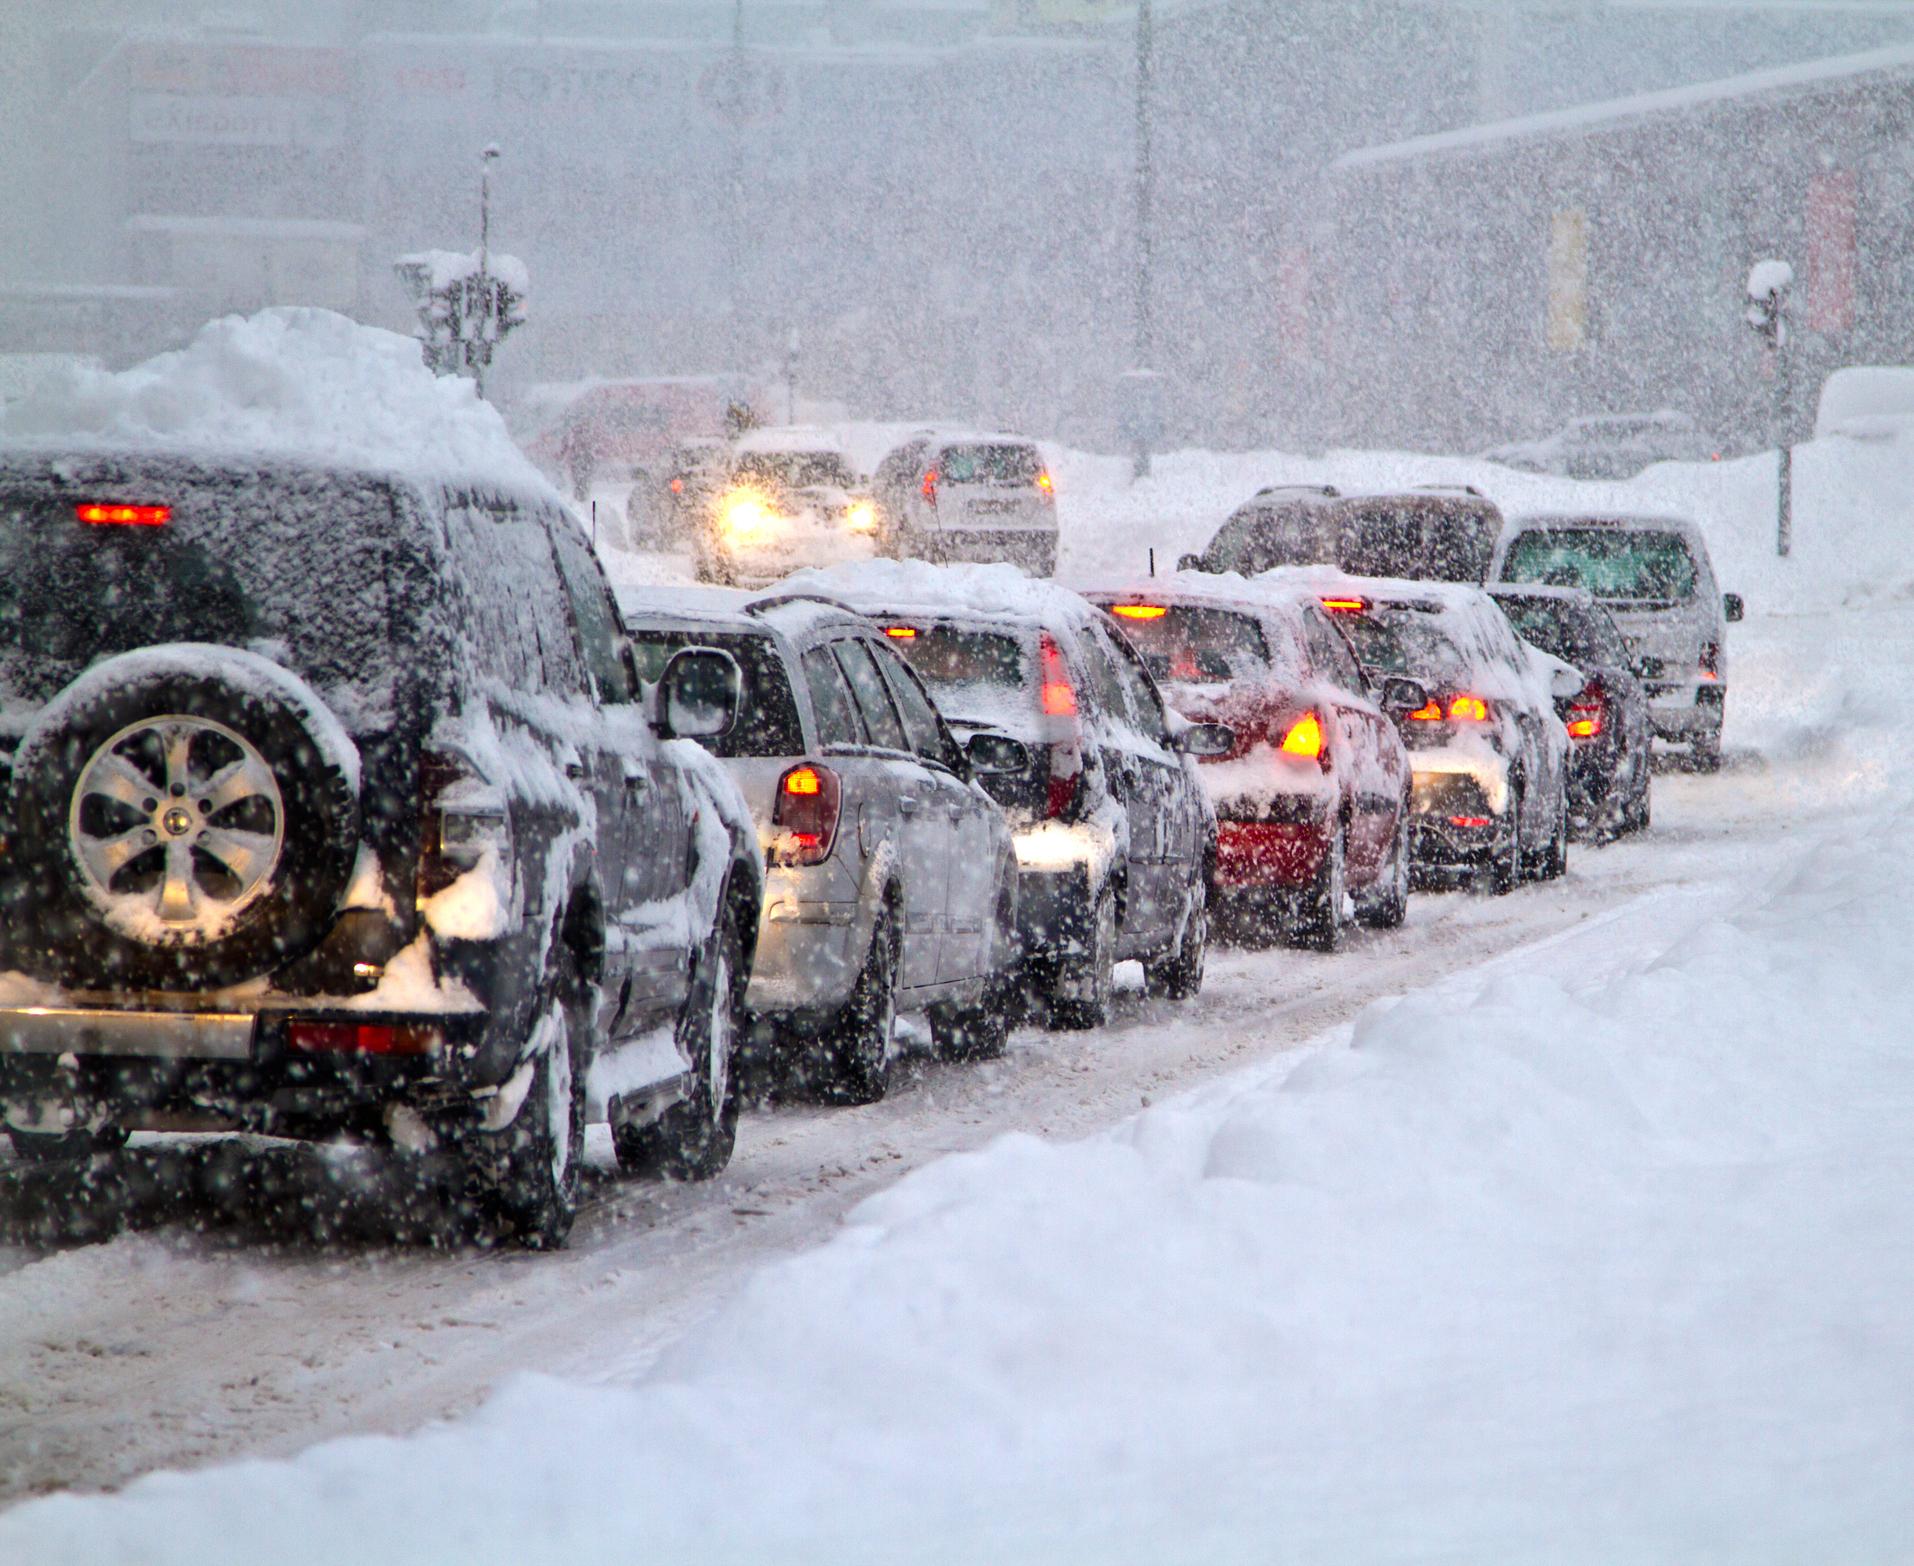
pixel 177 825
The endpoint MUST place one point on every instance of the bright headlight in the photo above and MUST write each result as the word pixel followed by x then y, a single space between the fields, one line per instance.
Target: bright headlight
pixel 861 517
pixel 745 517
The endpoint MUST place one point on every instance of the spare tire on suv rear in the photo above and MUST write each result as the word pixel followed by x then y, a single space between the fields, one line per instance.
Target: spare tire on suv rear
pixel 183 817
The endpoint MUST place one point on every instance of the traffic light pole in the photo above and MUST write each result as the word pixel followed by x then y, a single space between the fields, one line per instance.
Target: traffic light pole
pixel 1784 497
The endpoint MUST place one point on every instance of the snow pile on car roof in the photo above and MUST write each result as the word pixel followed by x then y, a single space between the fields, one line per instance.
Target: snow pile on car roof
pixel 919 584
pixel 305 383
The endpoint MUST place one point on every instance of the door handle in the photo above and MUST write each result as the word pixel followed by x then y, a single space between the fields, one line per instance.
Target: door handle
pixel 574 770
pixel 907 804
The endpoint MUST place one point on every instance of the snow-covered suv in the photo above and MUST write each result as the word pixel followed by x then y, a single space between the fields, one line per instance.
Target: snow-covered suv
pixel 332 805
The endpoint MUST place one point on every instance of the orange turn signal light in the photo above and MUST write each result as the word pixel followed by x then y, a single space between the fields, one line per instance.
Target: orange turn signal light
pixel 1471 709
pixel 803 780
pixel 1305 737
pixel 903 633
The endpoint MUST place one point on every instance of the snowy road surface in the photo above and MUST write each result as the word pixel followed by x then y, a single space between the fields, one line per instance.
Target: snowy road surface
pixel 1591 1247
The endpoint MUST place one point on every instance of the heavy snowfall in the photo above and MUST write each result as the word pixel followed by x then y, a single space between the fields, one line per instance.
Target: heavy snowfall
pixel 1568 1224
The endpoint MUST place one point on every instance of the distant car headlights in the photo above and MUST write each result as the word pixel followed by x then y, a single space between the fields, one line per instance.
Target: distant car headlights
pixel 860 516
pixel 747 518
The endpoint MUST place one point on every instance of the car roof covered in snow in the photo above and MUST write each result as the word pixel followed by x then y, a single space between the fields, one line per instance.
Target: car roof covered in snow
pixel 994 592
pixel 1621 521
pixel 789 437
pixel 1217 589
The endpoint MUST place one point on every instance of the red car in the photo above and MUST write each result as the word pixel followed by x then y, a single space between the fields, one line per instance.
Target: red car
pixel 1312 799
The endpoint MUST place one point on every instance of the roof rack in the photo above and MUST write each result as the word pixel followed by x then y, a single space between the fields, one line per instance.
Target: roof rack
pixel 778 601
pixel 1327 491
pixel 1455 489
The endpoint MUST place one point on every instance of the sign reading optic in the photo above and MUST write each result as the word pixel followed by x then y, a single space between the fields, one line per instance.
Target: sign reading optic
pixel 98 513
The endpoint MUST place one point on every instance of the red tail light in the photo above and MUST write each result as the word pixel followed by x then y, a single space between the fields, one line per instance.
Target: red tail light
pixel 1059 695
pixel 1711 660
pixel 1305 737
pixel 1429 712
pixel 1469 821
pixel 1468 709
pixel 1062 791
pixel 805 816
pixel 1588 713
pixel 677 486
pixel 99 513
pixel 930 486
pixel 363 1038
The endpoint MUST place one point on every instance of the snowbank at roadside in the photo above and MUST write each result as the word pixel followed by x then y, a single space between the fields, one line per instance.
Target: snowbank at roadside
pixel 1516 1268
pixel 291 381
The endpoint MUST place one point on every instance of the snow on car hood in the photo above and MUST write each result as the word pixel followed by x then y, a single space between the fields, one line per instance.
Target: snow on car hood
pixel 298 381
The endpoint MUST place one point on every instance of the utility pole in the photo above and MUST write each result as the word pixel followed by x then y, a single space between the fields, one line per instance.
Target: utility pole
pixel 1769 283
pixel 1143 349
pixel 488 327
pixel 737 190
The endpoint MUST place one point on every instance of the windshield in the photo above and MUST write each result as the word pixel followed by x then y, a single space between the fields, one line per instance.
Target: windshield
pixel 298 562
pixel 1617 563
pixel 767 723
pixel 1416 540
pixel 1191 646
pixel 1390 640
pixel 794 469
pixel 999 464
pixel 969 673
pixel 1569 631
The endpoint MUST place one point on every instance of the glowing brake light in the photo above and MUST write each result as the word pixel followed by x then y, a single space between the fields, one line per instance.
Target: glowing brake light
pixel 1710 661
pixel 805 816
pixel 1046 483
pixel 1429 712
pixel 1305 737
pixel 677 486
pixel 97 513
pixel 1346 605
pixel 930 485
pixel 1469 709
pixel 1588 714
pixel 904 633
pixel 1139 611
pixel 1059 695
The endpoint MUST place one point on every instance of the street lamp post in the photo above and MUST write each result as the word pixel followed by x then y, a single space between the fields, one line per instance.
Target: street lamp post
pixel 1140 379
pixel 487 158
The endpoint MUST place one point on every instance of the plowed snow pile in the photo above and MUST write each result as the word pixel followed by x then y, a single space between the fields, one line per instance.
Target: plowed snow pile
pixel 295 381
pixel 1511 1270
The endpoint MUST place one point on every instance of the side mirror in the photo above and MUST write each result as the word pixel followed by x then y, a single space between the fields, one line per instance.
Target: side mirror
pixel 1732 607
pixel 1206 739
pixel 1189 562
pixel 992 755
pixel 1564 682
pixel 1401 694
pixel 698 694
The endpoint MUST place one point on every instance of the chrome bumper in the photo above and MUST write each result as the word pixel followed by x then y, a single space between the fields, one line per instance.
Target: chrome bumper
pixel 167 1035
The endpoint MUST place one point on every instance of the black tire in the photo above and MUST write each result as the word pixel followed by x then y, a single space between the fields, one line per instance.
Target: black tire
pixel 857 1044
pixel 1178 975
pixel 53 1147
pixel 1505 869
pixel 1090 976
pixel 693 1140
pixel 529 1172
pixel 1553 862
pixel 316 817
pixel 1388 905
pixel 1318 921
pixel 1704 754
pixel 979 1032
pixel 1639 812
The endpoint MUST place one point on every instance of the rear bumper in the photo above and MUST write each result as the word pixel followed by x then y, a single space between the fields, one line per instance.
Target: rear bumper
pixel 1054 912
pixel 76 1064
pixel 1452 822
pixel 1257 855
pixel 809 956
pixel 1687 712
pixel 1021 544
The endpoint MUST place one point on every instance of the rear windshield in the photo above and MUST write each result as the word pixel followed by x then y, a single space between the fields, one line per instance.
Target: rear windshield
pixel 768 723
pixel 794 469
pixel 1265 537
pixel 970 674
pixel 1567 631
pixel 1405 641
pixel 989 465
pixel 1623 563
pixel 296 564
pixel 1190 646
pixel 1422 542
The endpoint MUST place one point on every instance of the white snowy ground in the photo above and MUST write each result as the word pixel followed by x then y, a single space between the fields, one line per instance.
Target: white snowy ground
pixel 1594 1244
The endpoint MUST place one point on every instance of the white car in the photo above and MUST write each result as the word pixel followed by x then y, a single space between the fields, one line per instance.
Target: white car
pixel 968 497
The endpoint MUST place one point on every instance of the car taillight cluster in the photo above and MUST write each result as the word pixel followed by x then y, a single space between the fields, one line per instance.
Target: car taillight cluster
pixel 1047 484
pixel 1587 715
pixel 810 799
pixel 462 818
pixel 1305 738
pixel 1711 660
pixel 363 1038
pixel 103 513
pixel 1460 709
pixel 1059 696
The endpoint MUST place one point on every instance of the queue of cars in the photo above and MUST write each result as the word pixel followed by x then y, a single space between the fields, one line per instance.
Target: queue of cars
pixel 464 852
